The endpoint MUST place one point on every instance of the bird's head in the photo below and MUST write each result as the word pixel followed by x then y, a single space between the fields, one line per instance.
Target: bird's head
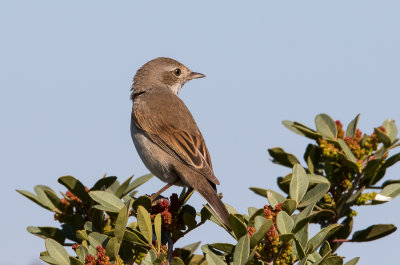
pixel 163 72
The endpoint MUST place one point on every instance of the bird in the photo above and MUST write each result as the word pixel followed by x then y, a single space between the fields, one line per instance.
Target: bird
pixel 166 135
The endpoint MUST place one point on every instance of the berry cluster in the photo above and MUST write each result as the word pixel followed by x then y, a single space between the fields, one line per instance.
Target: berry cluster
pixel 71 205
pixel 100 259
pixel 271 248
pixel 169 210
pixel 365 198
pixel 339 173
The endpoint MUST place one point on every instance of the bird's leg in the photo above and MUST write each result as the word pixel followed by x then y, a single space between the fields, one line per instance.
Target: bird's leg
pixel 186 197
pixel 155 195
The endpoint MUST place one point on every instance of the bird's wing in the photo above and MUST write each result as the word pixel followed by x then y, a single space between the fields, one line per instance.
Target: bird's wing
pixel 167 122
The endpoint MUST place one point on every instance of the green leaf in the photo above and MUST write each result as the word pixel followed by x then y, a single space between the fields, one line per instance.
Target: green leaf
pixel 326 126
pixel 259 221
pixel 103 183
pixel 259 191
pixel 321 236
pixel 260 232
pixel 303 217
pixel 189 220
pixel 112 248
pixel 353 261
pixel 211 258
pixel 274 198
pixel 299 248
pixel 150 258
pixel 120 192
pixel 301 129
pixel 383 137
pixel 286 237
pixel 391 129
pixel 82 235
pixel 392 160
pixel 373 232
pixel 284 222
pixel 109 201
pixel 281 157
pixel 191 247
pixel 391 190
pixel 144 201
pixel 242 251
pixel 57 252
pixel 347 151
pixel 298 184
pixel 325 249
pixel 144 223
pixel 302 236
pixel 135 237
pixel 33 198
pixel 75 186
pixel 120 224
pixel 352 127
pixel 138 182
pixel 96 239
pixel 157 229
pixel 334 260
pixel 43 198
pixel 176 261
pixel 82 252
pixel 46 258
pixel 47 232
pixel 237 226
pixel 315 179
pixel 224 247
pixel 75 261
pixel 314 195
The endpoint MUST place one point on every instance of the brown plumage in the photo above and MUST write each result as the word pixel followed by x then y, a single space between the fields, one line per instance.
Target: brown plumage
pixel 165 134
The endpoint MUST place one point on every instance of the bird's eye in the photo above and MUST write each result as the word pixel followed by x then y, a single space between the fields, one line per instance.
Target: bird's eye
pixel 177 72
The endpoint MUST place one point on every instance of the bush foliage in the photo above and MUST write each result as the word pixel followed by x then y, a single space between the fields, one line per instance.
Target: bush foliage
pixel 110 223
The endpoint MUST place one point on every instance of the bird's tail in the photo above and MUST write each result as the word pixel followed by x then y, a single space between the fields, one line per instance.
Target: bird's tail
pixel 213 200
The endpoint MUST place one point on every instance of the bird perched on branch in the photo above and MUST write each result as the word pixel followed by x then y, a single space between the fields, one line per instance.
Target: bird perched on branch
pixel 165 134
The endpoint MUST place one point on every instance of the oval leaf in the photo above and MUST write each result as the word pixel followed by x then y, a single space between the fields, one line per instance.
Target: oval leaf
pixel 237 226
pixel 260 232
pixel 391 190
pixel 144 223
pixel 352 262
pixel 391 129
pixel 97 239
pixel 352 127
pixel 315 194
pixel 274 198
pixel 75 186
pixel 282 158
pixel 299 183
pixel 57 252
pixel 109 201
pixel 284 222
pixel 326 125
pixel 289 206
pixel 373 232
pixel 157 229
pixel 120 224
pixel 242 251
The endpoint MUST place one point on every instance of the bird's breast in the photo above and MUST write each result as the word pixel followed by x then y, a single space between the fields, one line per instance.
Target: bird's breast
pixel 154 158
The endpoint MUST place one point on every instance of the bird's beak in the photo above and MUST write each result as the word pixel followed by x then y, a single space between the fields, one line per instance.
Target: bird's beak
pixel 194 75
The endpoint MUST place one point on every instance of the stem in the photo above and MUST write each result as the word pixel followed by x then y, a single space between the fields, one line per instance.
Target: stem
pixel 187 231
pixel 170 247
pixel 340 240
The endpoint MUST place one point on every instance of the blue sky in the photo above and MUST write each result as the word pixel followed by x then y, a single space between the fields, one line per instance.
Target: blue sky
pixel 66 70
